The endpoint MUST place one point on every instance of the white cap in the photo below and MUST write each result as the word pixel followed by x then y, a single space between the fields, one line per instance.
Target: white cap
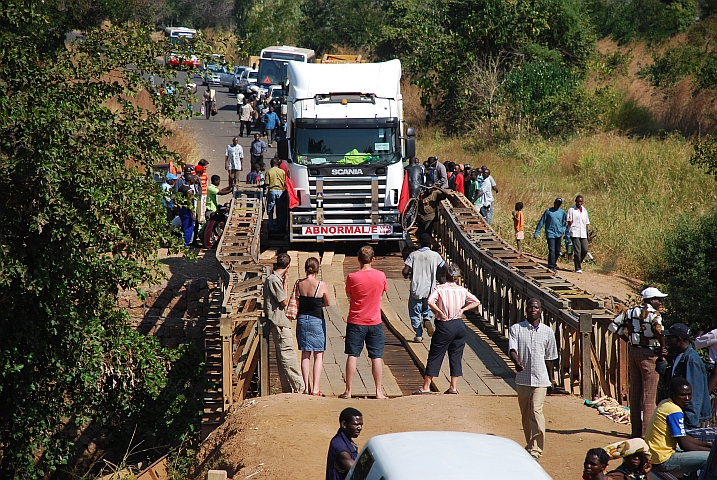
pixel 652 292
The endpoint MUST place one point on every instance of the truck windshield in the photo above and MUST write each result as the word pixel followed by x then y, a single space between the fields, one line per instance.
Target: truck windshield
pixel 346 146
pixel 272 72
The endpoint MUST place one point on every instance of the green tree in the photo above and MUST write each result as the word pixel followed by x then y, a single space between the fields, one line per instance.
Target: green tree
pixel 689 272
pixel 271 22
pixel 82 219
pixel 355 24
pixel 441 43
pixel 651 19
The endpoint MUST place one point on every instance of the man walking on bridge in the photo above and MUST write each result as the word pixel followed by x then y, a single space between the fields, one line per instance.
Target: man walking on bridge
pixel 554 221
pixel 531 343
pixel 422 266
pixel 364 324
pixel 276 298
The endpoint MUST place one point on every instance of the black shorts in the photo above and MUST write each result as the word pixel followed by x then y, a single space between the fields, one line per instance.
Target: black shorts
pixel 372 335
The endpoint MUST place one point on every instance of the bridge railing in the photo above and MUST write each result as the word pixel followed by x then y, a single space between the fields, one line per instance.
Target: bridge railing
pixel 232 340
pixel 591 359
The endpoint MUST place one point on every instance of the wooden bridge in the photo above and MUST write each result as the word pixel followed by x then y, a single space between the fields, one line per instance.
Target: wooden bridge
pixel 239 359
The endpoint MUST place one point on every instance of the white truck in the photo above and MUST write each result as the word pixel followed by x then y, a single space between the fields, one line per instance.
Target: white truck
pixel 345 144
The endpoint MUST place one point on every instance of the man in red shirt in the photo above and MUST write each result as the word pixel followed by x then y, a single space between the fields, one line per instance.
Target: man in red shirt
pixel 363 324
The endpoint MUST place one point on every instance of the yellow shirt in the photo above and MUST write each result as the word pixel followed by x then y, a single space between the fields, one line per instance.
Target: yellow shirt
pixel 666 426
pixel 276 179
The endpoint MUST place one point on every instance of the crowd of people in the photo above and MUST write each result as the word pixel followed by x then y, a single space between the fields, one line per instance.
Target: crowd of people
pixel 190 200
pixel 669 436
pixel 429 183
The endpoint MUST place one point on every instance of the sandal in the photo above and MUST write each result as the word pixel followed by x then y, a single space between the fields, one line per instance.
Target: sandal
pixel 422 392
pixel 318 394
pixel 451 392
pixel 344 396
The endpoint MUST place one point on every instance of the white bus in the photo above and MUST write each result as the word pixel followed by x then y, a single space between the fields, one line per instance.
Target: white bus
pixel 177 37
pixel 272 63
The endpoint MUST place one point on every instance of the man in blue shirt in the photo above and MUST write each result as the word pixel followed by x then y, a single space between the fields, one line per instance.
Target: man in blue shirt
pixel 342 450
pixel 686 363
pixel 271 121
pixel 554 220
pixel 257 150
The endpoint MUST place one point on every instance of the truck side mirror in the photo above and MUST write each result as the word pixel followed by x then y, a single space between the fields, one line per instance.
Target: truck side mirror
pixel 410 132
pixel 282 149
pixel 410 147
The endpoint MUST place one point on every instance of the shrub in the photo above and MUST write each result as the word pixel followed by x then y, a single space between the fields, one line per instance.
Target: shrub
pixel 650 19
pixel 688 270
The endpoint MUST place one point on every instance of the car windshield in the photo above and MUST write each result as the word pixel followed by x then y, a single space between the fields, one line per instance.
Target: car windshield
pixel 346 146
pixel 253 75
pixel 214 68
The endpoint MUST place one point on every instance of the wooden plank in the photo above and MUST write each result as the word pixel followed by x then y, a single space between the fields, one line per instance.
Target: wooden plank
pixel 327 259
pixel 390 386
pixel 268 254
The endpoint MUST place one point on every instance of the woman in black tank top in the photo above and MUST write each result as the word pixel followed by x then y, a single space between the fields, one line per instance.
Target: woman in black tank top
pixel 311 326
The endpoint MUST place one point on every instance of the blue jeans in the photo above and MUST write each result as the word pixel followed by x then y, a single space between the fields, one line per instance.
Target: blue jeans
pixel 553 251
pixel 272 202
pixel 487 213
pixel 418 310
pixel 685 462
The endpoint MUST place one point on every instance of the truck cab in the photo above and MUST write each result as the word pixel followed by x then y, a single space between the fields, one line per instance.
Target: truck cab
pixel 346 144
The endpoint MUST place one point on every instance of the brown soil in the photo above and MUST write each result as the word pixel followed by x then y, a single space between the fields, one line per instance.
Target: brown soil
pixel 287 436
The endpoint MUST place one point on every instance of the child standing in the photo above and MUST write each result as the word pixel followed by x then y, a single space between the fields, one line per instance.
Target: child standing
pixel 518 223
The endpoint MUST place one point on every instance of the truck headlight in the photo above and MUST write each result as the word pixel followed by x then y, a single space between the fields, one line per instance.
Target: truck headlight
pixel 390 218
pixel 302 219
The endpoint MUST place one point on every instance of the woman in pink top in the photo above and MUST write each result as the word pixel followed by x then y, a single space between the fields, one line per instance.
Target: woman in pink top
pixel 448 301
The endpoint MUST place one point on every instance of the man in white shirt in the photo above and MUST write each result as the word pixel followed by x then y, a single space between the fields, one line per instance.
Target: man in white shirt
pixel 486 196
pixel 232 160
pixel 532 348
pixel 578 222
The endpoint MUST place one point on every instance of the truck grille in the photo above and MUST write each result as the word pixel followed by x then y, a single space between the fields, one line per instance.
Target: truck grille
pixel 346 199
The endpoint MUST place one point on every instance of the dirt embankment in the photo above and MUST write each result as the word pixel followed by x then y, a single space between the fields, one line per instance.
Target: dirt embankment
pixel 287 436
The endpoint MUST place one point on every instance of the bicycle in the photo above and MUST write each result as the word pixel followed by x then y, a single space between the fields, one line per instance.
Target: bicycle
pixel 410 210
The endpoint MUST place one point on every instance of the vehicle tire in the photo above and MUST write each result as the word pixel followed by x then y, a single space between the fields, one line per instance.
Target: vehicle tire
pixel 213 233
pixel 409 214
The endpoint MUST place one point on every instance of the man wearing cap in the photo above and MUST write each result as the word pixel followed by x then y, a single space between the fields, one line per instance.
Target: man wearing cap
pixel 554 220
pixel 642 325
pixel 685 362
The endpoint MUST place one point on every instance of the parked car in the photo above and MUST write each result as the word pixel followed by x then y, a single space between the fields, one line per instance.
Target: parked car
pixel 229 79
pixel 253 75
pixel 213 74
pixel 242 81
pixel 449 455
pixel 175 60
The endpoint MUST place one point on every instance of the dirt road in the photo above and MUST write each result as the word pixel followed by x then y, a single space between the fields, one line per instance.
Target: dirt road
pixel 287 436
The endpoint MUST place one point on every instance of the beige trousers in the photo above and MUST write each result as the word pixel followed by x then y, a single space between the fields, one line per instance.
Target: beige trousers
pixel 531 400
pixel 289 372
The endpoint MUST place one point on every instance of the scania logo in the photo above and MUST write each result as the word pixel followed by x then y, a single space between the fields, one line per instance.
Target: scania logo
pixel 346 171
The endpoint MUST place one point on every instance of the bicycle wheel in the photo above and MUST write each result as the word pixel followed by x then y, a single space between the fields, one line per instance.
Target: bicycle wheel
pixel 409 214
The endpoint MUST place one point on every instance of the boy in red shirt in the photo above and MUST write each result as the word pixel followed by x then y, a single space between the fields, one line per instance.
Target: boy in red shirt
pixel 363 324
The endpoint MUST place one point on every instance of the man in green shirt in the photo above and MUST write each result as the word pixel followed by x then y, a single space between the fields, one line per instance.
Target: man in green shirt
pixel 474 189
pixel 276 184
pixel 212 192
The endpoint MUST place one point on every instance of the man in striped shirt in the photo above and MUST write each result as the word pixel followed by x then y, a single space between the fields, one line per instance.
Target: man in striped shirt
pixel 448 302
pixel 532 348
